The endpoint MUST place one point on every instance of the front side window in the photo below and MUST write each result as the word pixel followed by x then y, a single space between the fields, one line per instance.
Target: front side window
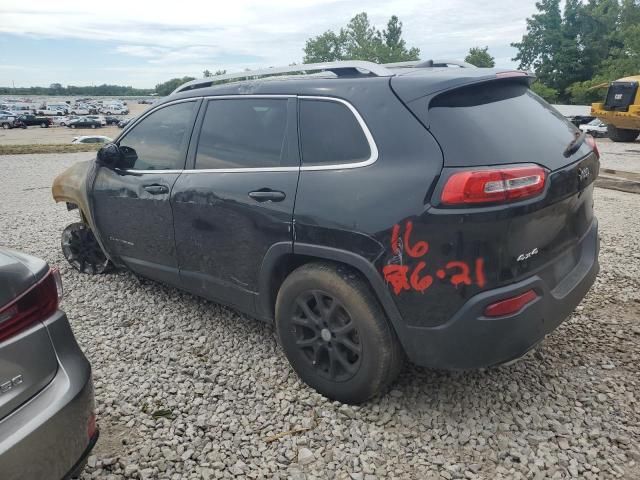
pixel 159 141
pixel 243 133
pixel 330 134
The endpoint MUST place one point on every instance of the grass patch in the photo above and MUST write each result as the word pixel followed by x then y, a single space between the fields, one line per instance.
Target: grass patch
pixel 52 148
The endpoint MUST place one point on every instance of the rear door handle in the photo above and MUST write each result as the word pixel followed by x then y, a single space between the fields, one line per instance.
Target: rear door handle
pixel 267 195
pixel 156 189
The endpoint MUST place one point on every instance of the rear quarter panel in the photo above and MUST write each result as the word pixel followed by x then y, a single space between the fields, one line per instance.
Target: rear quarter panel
pixel 355 210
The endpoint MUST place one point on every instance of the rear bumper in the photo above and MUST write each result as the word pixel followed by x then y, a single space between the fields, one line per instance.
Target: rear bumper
pixel 46 438
pixel 471 340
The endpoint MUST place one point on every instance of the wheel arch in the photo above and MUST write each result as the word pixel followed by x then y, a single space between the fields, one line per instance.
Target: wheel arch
pixel 282 258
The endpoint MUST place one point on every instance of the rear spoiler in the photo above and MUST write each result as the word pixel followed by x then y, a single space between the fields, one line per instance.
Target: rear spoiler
pixel 417 90
pixel 414 85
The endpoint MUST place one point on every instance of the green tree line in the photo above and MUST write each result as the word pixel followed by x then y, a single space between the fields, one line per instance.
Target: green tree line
pixel 576 50
pixel 71 90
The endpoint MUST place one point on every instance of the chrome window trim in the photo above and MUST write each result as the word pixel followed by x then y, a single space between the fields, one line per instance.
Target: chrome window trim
pixel 339 166
pixel 148 171
pixel 373 157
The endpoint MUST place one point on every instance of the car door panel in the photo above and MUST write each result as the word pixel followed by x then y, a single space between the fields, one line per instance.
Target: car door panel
pixel 227 218
pixel 222 234
pixel 132 202
pixel 137 225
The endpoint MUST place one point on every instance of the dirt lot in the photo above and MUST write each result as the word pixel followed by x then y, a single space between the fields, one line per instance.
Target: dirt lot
pixel 620 156
pixel 188 389
pixel 38 135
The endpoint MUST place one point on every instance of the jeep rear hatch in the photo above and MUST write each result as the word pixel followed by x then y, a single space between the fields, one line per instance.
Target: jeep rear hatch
pixel 496 122
pixel 517 184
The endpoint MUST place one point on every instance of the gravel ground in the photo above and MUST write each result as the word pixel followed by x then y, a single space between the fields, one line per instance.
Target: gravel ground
pixel 189 389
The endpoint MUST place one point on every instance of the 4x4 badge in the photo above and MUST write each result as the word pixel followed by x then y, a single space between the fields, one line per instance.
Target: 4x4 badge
pixel 525 256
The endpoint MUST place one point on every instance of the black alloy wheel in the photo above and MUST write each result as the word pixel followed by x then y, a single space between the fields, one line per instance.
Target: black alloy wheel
pixel 326 335
pixel 82 250
pixel 335 334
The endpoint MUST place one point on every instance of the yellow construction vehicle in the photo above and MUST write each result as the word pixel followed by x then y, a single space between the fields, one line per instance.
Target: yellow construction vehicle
pixel 621 109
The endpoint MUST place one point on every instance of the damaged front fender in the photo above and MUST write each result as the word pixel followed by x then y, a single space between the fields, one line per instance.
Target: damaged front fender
pixel 71 187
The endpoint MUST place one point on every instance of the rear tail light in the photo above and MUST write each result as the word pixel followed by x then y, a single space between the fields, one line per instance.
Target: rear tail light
pixel 495 185
pixel 592 143
pixel 36 304
pixel 510 305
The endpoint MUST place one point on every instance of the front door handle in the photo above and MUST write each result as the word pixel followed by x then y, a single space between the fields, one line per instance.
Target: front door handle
pixel 156 189
pixel 267 195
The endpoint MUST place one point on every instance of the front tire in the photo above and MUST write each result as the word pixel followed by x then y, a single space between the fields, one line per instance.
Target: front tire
pixel 82 250
pixel 93 126
pixel 335 334
pixel 622 134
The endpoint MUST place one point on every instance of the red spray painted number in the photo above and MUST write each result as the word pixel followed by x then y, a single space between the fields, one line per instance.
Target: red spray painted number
pixel 402 278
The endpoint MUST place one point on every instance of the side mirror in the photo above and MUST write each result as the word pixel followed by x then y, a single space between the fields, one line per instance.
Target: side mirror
pixel 109 155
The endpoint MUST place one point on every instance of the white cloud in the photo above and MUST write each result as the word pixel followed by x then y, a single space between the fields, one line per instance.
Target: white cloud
pixel 253 33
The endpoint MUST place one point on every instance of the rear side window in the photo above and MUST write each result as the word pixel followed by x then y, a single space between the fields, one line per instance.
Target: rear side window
pixel 330 134
pixel 158 142
pixel 498 123
pixel 243 133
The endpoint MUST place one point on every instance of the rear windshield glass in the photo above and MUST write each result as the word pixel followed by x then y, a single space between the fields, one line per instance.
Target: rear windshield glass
pixel 498 123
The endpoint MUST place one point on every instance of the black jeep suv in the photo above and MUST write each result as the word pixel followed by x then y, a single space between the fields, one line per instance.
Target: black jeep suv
pixel 373 212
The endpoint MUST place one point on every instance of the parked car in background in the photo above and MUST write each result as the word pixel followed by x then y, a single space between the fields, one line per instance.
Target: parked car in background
pixel 22 108
pixel 79 110
pixel 145 102
pixel 30 120
pixel 91 139
pixel 7 122
pixel 111 120
pixel 62 121
pixel 62 106
pixel 595 127
pixel 84 122
pixel 49 111
pixel 99 118
pixel 8 113
pixel 124 123
pixel 47 420
pixel 578 120
pixel 114 110
pixel 267 195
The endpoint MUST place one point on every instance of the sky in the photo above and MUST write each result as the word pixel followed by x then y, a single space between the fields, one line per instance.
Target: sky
pixel 145 43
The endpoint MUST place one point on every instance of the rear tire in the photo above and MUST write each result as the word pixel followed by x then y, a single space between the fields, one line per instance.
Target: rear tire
pixel 335 334
pixel 6 126
pixel 43 125
pixel 622 134
pixel 82 250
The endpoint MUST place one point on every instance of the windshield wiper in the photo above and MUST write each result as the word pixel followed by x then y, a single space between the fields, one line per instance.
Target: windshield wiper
pixel 575 144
